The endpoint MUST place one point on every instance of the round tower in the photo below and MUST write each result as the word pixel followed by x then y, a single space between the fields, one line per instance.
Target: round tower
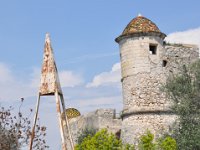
pixel 142 67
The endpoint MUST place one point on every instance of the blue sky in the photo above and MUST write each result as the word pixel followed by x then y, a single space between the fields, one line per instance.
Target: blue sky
pixel 87 57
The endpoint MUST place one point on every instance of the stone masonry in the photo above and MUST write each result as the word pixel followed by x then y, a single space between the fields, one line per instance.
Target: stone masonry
pixel 145 106
pixel 98 119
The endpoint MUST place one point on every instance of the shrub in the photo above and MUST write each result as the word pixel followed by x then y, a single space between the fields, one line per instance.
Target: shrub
pixel 102 140
pixel 85 133
pixel 167 143
pixel 146 141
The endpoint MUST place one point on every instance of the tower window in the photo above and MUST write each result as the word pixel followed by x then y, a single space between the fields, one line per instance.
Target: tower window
pixel 153 49
pixel 164 63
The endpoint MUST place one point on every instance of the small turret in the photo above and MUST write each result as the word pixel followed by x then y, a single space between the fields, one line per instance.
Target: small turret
pixel 140 26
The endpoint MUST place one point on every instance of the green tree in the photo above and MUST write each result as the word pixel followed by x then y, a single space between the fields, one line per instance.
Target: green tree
pixel 146 141
pixel 102 140
pixel 184 91
pixel 168 143
pixel 85 133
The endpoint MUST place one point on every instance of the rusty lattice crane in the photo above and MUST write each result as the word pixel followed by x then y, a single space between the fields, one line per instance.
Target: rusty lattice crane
pixel 50 85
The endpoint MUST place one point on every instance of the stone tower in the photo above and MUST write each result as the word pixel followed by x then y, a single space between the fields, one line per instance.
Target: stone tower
pixel 142 64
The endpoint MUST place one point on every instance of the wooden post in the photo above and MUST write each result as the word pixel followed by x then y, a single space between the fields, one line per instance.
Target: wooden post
pixel 34 122
pixel 67 122
pixel 63 140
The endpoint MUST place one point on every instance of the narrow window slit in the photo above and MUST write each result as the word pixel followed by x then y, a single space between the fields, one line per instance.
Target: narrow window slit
pixel 152 49
pixel 164 63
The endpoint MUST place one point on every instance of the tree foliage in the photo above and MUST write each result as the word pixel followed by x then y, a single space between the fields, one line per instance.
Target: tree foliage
pixel 15 130
pixel 102 140
pixel 147 142
pixel 168 143
pixel 85 133
pixel 184 91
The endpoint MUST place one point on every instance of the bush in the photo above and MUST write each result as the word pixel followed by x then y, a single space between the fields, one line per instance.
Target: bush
pixel 85 133
pixel 102 140
pixel 167 143
pixel 146 141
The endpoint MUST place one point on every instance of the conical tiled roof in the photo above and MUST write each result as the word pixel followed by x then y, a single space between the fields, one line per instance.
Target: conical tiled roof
pixel 139 25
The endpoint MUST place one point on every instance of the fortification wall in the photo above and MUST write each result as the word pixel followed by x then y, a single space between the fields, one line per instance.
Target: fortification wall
pixel 99 119
pixel 177 55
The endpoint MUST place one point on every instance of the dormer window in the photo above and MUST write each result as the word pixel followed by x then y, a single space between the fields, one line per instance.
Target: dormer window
pixel 153 49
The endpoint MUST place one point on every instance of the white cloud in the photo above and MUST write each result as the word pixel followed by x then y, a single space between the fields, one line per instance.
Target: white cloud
pixel 5 74
pixel 67 78
pixel 70 79
pixel 191 36
pixel 99 101
pixel 35 78
pixel 107 78
pixel 12 87
pixel 92 104
pixel 88 57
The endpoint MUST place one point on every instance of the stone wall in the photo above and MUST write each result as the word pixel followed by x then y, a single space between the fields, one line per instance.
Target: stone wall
pixel 99 119
pixel 177 55
pixel 143 75
pixel 142 93
pixel 135 125
pixel 141 90
pixel 134 54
